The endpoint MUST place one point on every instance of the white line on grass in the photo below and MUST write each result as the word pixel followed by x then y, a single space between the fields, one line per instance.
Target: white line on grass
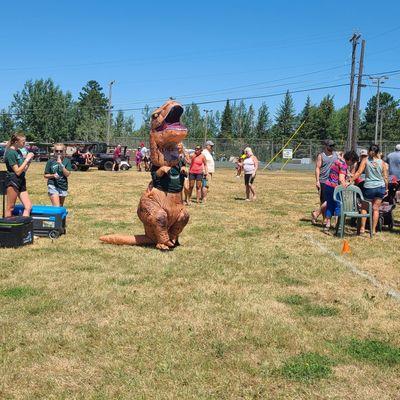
pixel 350 266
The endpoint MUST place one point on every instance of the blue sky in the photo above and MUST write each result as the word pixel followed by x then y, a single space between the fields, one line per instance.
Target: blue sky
pixel 196 51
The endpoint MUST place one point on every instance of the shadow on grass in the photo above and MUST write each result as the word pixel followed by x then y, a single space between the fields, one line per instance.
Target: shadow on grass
pixel 304 307
pixel 252 231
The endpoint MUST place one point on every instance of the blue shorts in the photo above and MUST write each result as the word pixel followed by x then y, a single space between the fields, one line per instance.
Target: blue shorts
pixel 52 190
pixel 374 193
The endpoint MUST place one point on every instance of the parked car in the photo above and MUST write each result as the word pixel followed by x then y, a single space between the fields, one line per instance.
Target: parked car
pixel 105 160
pixel 85 155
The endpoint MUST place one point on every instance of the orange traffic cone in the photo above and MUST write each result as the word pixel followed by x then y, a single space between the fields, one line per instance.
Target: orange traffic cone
pixel 346 247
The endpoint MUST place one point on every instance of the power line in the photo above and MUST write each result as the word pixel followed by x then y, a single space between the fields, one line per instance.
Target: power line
pixel 223 100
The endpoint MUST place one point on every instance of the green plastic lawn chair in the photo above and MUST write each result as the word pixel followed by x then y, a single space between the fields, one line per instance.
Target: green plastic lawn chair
pixel 349 207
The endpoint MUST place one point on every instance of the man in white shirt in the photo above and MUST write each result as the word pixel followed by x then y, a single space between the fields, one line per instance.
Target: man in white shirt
pixel 207 152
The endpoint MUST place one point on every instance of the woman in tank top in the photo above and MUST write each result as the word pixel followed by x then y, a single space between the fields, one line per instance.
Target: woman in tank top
pixel 197 170
pixel 250 166
pixel 375 183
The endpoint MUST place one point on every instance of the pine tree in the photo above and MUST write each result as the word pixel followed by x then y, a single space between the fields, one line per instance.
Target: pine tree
pixel 239 119
pixel 146 118
pixel 92 103
pixel 308 115
pixel 249 125
pixel 118 125
pixel 285 117
pixel 324 118
pixel 226 122
pixel 263 122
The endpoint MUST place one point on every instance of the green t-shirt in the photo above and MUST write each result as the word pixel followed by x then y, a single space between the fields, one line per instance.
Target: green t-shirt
pixel 172 182
pixel 13 157
pixel 52 167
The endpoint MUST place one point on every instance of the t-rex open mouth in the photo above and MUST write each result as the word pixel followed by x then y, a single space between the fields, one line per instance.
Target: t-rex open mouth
pixel 167 129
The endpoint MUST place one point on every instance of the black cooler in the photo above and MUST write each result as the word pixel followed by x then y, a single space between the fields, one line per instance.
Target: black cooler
pixel 16 231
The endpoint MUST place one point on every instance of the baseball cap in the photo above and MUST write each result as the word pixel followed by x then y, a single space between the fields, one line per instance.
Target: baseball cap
pixel 209 143
pixel 329 143
pixel 363 152
pixel 397 147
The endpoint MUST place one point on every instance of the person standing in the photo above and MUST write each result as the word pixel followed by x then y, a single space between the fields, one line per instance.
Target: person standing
pixel 207 153
pixel 57 171
pixel 393 160
pixel 322 168
pixel 15 178
pixel 145 156
pixel 375 185
pixel 117 158
pixel 250 166
pixel 197 170
pixel 138 160
pixel 184 156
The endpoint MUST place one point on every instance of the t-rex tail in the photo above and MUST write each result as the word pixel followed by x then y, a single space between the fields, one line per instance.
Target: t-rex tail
pixel 139 240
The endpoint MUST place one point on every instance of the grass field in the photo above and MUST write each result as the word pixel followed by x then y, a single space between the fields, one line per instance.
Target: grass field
pixel 251 306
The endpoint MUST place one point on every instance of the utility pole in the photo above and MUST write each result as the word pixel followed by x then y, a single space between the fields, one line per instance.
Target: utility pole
pixel 206 126
pixel 354 42
pixel 109 110
pixel 354 136
pixel 377 80
pixel 381 128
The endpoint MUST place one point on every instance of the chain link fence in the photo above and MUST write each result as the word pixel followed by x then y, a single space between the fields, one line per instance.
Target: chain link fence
pixel 304 151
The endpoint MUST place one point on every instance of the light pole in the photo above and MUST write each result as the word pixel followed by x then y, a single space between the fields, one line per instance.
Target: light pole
pixel 377 80
pixel 206 125
pixel 109 111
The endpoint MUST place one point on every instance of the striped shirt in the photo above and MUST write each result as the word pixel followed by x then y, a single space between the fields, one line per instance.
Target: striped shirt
pixel 337 168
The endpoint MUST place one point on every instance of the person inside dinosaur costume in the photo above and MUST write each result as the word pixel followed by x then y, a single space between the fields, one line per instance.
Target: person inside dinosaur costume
pixel 161 208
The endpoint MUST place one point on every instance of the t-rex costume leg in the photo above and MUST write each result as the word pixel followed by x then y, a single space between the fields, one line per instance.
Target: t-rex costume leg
pixel 161 208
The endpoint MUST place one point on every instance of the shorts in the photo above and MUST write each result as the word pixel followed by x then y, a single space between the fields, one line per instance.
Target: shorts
pixel 374 193
pixel 195 177
pixel 53 190
pixel 249 179
pixel 322 196
pixel 206 182
pixel 17 182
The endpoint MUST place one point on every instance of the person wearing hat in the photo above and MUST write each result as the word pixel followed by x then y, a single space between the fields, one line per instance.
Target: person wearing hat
pixel 393 159
pixel 360 181
pixel 323 165
pixel 375 185
pixel 207 153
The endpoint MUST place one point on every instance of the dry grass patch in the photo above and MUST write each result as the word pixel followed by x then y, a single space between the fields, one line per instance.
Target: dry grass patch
pixel 246 308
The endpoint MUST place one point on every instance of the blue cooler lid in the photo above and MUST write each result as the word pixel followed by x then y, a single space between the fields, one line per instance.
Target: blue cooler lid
pixel 46 210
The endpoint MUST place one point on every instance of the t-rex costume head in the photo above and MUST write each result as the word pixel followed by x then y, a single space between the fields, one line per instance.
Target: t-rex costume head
pixel 166 132
pixel 161 208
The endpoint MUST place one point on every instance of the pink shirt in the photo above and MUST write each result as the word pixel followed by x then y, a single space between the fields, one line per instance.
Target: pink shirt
pixel 197 164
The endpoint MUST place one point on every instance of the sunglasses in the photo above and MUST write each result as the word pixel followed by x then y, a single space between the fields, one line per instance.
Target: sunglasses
pixel 58 151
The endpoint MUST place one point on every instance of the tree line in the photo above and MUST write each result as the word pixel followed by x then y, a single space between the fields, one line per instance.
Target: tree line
pixel 46 114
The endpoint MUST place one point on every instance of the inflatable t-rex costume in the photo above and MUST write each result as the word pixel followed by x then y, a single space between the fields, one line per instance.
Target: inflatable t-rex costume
pixel 160 208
